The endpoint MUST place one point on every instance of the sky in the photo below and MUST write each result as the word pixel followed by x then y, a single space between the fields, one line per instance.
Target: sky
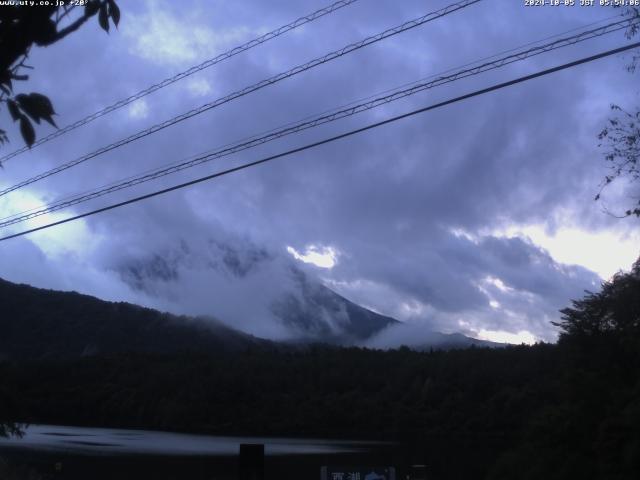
pixel 476 218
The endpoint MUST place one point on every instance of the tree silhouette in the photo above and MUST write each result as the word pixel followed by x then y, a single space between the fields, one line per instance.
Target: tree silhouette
pixel 21 27
pixel 621 136
pixel 614 311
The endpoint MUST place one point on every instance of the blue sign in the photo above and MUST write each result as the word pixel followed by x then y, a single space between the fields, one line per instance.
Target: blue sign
pixel 357 473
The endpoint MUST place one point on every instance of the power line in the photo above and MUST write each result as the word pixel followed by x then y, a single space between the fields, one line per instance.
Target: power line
pixel 314 122
pixel 252 88
pixel 197 68
pixel 333 138
pixel 353 102
pixel 475 62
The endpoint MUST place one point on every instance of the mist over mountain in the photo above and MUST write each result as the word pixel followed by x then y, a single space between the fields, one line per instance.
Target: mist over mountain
pixel 269 294
pixel 47 324
pixel 244 286
pixel 208 296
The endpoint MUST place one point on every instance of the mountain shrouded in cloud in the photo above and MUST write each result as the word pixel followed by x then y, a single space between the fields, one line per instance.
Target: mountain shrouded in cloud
pixel 39 324
pixel 250 289
pixel 484 287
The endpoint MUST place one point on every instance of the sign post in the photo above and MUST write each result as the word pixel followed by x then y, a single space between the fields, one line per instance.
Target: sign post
pixel 251 464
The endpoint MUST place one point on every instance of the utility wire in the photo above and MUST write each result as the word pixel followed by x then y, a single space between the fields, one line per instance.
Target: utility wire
pixel 354 102
pixel 334 138
pixel 197 159
pixel 274 134
pixel 197 68
pixel 314 122
pixel 252 88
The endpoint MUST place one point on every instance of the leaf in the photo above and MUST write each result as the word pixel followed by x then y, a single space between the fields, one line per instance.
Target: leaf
pixel 103 18
pixel 37 106
pixel 27 107
pixel 43 102
pixel 114 12
pixel 27 131
pixel 91 8
pixel 49 120
pixel 14 110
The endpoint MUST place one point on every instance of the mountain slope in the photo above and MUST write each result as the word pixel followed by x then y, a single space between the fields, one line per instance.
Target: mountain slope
pixel 37 323
pixel 40 324
pixel 318 313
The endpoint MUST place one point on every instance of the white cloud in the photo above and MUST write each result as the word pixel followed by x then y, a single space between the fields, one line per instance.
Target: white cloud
pixel 499 284
pixel 199 87
pixel 604 252
pixel 139 109
pixel 501 336
pixel 320 256
pixel 169 39
pixel 70 238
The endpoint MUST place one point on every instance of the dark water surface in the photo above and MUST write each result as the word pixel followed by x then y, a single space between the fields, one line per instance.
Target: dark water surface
pixel 107 441
pixel 99 453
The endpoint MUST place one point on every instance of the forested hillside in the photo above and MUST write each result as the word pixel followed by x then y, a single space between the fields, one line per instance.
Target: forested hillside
pixel 46 324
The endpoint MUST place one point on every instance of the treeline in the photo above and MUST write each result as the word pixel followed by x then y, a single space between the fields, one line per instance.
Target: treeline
pixel 561 411
pixel 45 325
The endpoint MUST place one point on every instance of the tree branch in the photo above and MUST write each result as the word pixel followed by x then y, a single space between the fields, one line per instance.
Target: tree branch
pixel 73 26
pixel 70 28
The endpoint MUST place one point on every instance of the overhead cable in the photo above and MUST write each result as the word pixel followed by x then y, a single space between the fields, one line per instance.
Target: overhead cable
pixel 330 139
pixel 179 76
pixel 252 88
pixel 314 122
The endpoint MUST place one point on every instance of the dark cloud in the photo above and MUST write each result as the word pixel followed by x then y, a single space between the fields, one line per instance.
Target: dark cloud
pixel 392 202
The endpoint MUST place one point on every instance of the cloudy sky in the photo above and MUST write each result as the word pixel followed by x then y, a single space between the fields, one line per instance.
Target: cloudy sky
pixel 476 218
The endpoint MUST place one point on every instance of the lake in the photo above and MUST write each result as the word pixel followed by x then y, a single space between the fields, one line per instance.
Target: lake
pixel 106 441
pixel 102 453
